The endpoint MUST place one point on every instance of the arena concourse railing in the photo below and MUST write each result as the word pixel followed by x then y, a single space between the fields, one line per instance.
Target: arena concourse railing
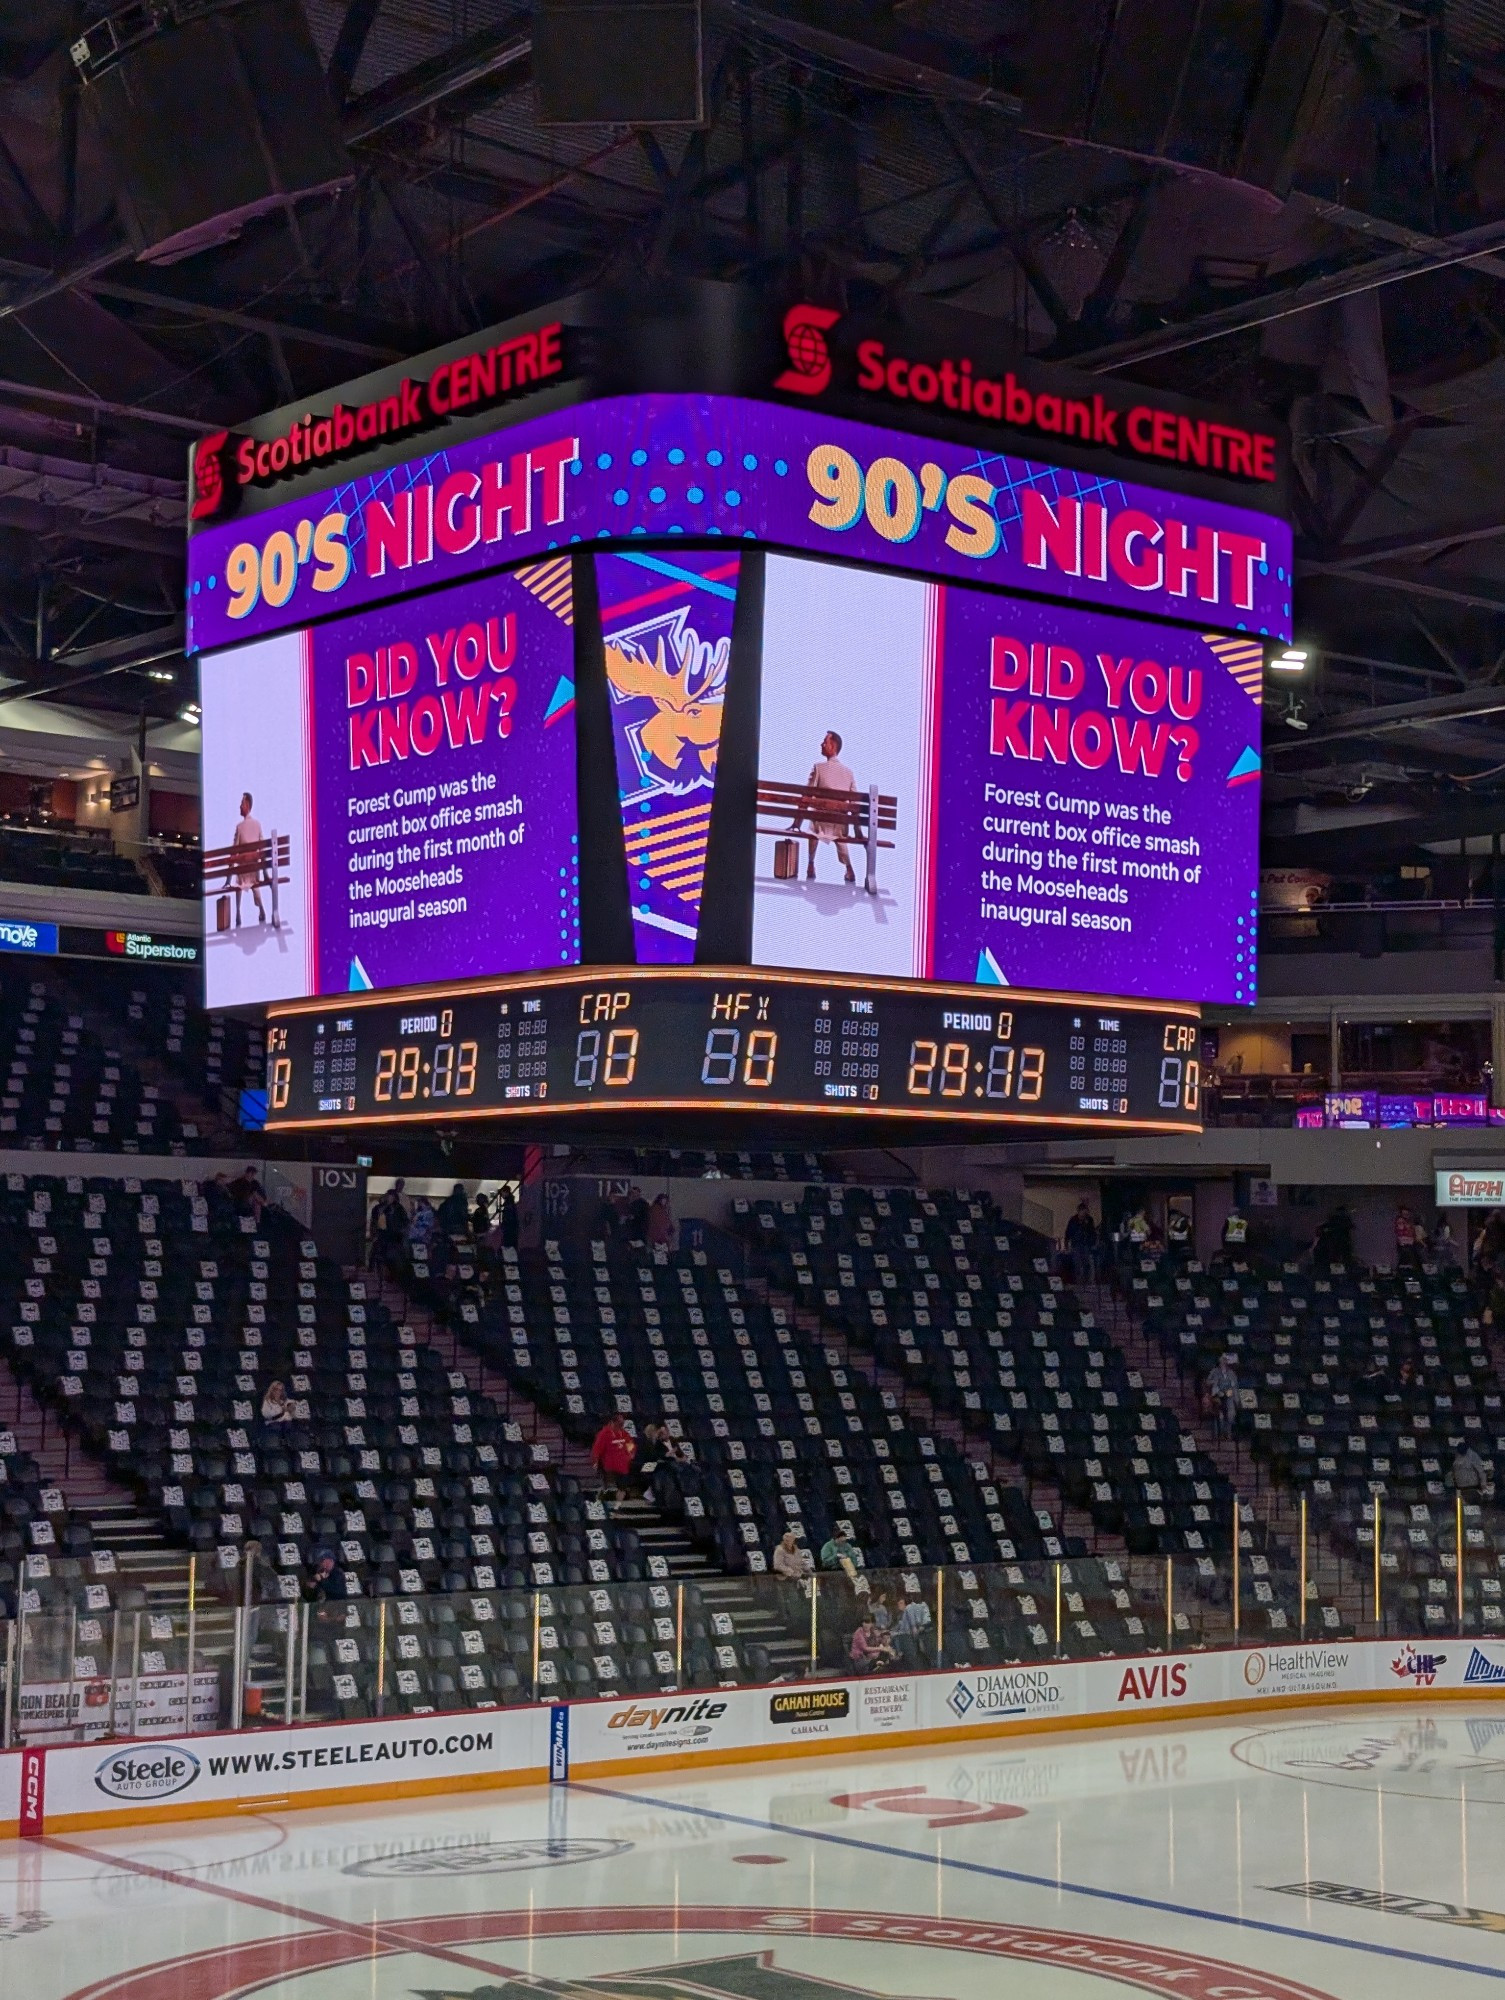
pixel 72 1676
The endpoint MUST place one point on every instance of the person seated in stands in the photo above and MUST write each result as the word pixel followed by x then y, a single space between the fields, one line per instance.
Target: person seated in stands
pixel 613 1453
pixel 324 1584
pixel 793 1565
pixel 275 1407
pixel 1473 1476
pixel 453 1210
pixel 913 1635
pixel 248 1195
pixel 871 1652
pixel 657 1450
pixel 842 1553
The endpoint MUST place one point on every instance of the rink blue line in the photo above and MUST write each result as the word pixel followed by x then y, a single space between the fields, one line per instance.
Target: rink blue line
pixel 1050 1882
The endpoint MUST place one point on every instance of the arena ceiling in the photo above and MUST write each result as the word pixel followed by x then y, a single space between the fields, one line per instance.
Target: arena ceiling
pixel 1284 202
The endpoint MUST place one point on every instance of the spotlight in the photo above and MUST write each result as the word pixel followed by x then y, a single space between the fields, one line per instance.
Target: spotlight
pixel 1291 660
pixel 190 712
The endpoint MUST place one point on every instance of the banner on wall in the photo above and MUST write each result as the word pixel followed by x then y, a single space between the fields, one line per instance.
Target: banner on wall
pixel 420 760
pixel 666 625
pixel 152 1705
pixel 700 465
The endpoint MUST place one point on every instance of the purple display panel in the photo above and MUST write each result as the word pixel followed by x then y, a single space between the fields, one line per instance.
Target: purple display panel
pixel 667 630
pixel 422 757
pixel 1097 810
pixel 718 465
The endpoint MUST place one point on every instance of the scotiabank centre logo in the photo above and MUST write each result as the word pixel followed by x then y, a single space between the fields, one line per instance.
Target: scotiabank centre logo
pixel 805 330
pixel 147 1774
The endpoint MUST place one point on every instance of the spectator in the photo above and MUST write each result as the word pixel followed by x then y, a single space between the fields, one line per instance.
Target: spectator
pixel 870 1650
pixel 508 1221
pixel 453 1210
pixel 842 1553
pixel 790 1560
pixel 1178 1228
pixel 275 1407
pixel 1222 1395
pixel 657 1450
pixel 247 1194
pixel 661 1224
pixel 793 1566
pixel 883 1612
pixel 1332 1246
pixel 1081 1243
pixel 1444 1249
pixel 324 1584
pixel 424 1220
pixel 613 1452
pixel 1472 1474
pixel 636 1217
pixel 1235 1229
pixel 480 1220
pixel 1405 1237
pixel 389 1228
pixel 914 1634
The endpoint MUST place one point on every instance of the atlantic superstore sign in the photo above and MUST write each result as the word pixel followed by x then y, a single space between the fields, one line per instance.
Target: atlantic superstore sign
pixel 931 369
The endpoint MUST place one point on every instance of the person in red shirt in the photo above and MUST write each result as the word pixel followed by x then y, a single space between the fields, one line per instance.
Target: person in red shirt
pixel 613 1451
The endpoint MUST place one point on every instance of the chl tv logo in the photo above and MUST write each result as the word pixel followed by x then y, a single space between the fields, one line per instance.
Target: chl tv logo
pixel 809 370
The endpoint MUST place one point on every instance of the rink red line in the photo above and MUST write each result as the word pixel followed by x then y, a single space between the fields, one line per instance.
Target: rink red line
pixel 390 1938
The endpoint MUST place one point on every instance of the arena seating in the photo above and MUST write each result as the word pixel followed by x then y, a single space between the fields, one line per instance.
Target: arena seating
pixel 63 1088
pixel 67 859
pixel 970 1308
pixel 1355 1382
pixel 153 1319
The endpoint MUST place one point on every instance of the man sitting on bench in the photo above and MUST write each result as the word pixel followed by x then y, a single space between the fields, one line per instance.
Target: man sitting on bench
pixel 834 823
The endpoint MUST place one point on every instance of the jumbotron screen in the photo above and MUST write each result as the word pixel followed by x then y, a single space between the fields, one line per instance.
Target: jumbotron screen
pixel 862 703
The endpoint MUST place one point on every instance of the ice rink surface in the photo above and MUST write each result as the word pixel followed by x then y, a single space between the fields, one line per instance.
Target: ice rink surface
pixel 1348 1852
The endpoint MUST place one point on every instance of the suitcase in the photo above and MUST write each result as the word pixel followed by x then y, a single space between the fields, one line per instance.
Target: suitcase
pixel 222 913
pixel 786 860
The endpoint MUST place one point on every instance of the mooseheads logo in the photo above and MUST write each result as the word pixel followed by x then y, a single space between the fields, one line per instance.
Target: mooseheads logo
pixel 147 1774
pixel 805 330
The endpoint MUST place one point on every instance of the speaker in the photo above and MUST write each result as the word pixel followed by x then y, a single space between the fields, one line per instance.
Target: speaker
pixel 210 117
pixel 619 62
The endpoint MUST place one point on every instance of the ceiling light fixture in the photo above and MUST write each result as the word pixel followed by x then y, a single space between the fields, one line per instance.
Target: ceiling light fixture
pixel 1292 660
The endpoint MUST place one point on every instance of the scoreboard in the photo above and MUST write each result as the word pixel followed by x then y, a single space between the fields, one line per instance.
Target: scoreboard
pixel 676 1039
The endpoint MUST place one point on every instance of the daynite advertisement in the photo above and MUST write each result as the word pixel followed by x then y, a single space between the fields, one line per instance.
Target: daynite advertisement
pixel 419 760
pixel 960 786
pixel 698 465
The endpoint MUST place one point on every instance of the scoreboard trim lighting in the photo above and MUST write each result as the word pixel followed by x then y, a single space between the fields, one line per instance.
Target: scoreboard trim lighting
pixel 997 1044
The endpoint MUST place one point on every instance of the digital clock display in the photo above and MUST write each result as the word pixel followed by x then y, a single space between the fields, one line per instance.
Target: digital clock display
pixel 683 1039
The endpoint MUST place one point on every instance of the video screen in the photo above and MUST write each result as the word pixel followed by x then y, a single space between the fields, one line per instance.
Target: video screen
pixel 962 786
pixel 390 798
pixel 666 633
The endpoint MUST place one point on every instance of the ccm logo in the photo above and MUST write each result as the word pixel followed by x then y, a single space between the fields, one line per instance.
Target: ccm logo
pixel 1160 1683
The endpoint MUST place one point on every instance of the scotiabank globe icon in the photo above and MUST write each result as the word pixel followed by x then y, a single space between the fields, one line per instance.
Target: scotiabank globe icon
pixel 147 1773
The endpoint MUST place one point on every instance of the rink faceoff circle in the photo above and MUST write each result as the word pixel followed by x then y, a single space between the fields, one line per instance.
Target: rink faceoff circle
pixel 669 1951
pixel 1423 1757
